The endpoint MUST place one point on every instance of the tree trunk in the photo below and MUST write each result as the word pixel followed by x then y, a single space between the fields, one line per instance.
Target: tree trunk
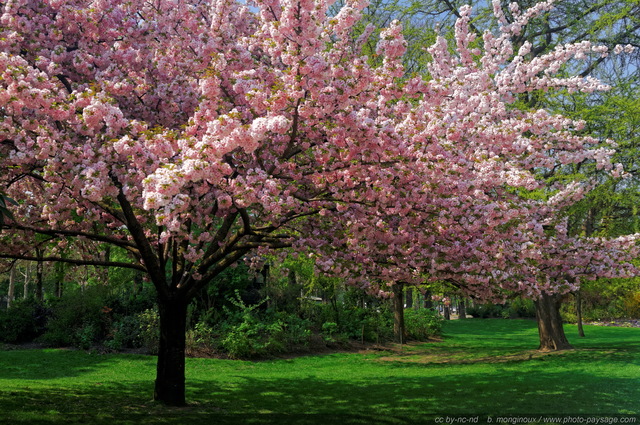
pixel 447 312
pixel 11 294
pixel 579 313
pixel 550 329
pixel 59 285
pixel 409 298
pixel 105 270
pixel 398 313
pixel 428 302
pixel 39 275
pixel 27 276
pixel 462 310
pixel 170 379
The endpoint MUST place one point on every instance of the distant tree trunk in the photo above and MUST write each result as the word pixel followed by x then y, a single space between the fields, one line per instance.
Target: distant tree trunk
pixel 589 229
pixel 398 313
pixel 447 312
pixel 137 283
pixel 27 276
pixel 59 284
pixel 105 270
pixel 11 294
pixel 293 283
pixel 170 379
pixel 579 313
pixel 462 310
pixel 39 274
pixel 550 329
pixel 428 302
pixel 409 298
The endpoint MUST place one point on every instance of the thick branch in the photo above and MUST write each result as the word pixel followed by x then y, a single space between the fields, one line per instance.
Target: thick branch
pixel 77 262
pixel 213 271
pixel 150 259
pixel 123 243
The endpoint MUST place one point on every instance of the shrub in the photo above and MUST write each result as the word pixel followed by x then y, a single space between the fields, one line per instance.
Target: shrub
pixel 329 330
pixel 371 324
pixel 522 307
pixel 24 321
pixel 246 340
pixel 422 324
pixel 149 335
pixel 484 311
pixel 632 306
pixel 126 333
pixel 264 334
pixel 79 317
pixel 86 336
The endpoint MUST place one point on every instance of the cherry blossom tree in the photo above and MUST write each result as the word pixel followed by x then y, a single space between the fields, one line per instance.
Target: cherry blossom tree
pixel 462 214
pixel 191 133
pixel 186 133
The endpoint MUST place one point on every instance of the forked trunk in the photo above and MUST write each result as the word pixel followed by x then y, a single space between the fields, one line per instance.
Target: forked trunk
pixel 398 314
pixel 170 380
pixel 550 329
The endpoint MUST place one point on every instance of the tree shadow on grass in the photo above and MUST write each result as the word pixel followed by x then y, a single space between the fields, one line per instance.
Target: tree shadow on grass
pixel 308 400
pixel 468 393
pixel 58 363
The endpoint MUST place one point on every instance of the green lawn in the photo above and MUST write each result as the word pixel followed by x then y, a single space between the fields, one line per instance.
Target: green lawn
pixel 483 367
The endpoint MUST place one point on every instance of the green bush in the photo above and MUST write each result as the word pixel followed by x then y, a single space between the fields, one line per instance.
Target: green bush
pixel 523 308
pixel 149 336
pixel 86 336
pixel 264 334
pixel 590 313
pixel 24 321
pixel 249 332
pixel 126 333
pixel 632 306
pixel 329 331
pixel 422 324
pixel 293 331
pixel 371 324
pixel 79 318
pixel 484 311
pixel 250 339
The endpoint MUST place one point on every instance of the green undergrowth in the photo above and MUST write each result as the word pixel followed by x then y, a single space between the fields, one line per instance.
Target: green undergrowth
pixel 481 368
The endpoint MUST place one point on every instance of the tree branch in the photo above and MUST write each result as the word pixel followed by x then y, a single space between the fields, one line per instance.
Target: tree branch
pixel 77 262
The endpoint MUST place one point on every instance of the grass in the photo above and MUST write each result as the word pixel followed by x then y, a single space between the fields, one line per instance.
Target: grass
pixel 482 367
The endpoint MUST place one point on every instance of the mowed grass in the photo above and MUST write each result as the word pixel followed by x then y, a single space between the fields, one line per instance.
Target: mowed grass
pixel 482 367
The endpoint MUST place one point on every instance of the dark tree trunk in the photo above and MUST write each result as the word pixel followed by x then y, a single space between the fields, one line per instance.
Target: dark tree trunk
pixel 27 276
pixel 409 298
pixel 398 313
pixel 11 294
pixel 462 310
pixel 579 313
pixel 447 312
pixel 59 284
pixel 39 275
pixel 170 379
pixel 428 302
pixel 105 270
pixel 550 329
